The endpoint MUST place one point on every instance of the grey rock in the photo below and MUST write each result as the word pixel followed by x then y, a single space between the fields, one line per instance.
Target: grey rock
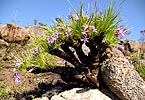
pixel 122 78
pixel 81 94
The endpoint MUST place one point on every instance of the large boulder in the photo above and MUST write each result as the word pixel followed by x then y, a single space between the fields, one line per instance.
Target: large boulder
pixel 81 94
pixel 14 33
pixel 122 78
pixel 37 30
pixel 137 46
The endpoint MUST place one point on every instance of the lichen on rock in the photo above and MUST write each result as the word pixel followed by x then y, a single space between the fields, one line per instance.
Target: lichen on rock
pixel 122 78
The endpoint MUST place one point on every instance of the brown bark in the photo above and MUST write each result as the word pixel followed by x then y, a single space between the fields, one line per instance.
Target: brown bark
pixel 64 56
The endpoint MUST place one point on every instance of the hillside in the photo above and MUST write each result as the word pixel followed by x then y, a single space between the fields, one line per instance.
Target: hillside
pixel 15 39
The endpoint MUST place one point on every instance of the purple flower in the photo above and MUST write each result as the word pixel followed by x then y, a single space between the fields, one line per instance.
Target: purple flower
pixel 50 40
pixel 84 31
pixel 92 28
pixel 53 37
pixel 57 34
pixel 85 39
pixel 16 76
pixel 18 63
pixel 16 73
pixel 46 60
pixel 35 51
pixel 17 79
pixel 119 33
pixel 68 31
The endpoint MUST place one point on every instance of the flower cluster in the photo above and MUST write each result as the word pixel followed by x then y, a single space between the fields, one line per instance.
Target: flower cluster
pixel 119 33
pixel 93 29
pixel 38 56
pixel 16 76
pixel 85 30
pixel 54 36
pixel 68 31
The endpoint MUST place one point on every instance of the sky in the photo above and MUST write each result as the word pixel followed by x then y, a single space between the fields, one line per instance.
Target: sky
pixel 23 12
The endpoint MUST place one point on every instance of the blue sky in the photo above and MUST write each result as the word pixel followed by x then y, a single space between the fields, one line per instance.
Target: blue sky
pixel 25 11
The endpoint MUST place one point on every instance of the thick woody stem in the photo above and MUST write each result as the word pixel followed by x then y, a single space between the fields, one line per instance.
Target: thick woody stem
pixel 64 56
pixel 81 55
pixel 77 45
pixel 67 50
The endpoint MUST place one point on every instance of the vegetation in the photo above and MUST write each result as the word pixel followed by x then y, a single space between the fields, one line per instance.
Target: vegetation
pixel 98 31
pixel 35 57
pixel 141 70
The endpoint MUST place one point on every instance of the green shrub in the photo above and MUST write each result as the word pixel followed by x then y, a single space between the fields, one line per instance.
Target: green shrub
pixel 34 57
pixel 96 30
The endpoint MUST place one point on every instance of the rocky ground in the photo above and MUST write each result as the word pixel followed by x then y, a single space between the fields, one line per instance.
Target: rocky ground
pixel 39 83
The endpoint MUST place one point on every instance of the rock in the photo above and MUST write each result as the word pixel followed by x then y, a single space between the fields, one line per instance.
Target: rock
pixel 14 33
pixel 136 46
pixel 36 29
pixel 122 78
pixel 81 94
